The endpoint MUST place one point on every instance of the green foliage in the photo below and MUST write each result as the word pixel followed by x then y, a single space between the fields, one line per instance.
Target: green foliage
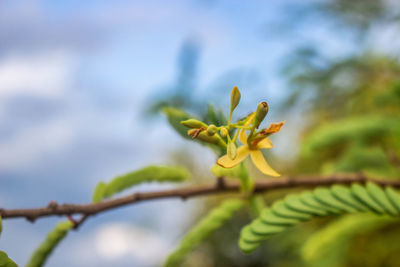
pixel 359 143
pixel 214 220
pixel 364 130
pixel 321 201
pixel 5 261
pixel 328 246
pixel 53 238
pixel 149 174
pixel 175 116
pixel 215 116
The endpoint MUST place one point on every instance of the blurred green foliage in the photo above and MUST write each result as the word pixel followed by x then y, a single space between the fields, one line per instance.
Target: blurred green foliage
pixel 350 113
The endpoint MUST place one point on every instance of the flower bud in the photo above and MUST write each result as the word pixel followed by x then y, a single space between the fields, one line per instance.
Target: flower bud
pixel 223 131
pixel 214 139
pixel 212 129
pixel 261 112
pixel 231 150
pixel 235 98
pixel 193 123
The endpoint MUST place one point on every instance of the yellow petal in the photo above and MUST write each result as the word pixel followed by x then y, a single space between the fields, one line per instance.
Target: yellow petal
pixel 243 135
pixel 226 162
pixel 250 119
pixel 265 144
pixel 261 164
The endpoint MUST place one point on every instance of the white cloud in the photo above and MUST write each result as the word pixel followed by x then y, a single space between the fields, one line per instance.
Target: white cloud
pixel 26 147
pixel 117 240
pixel 45 75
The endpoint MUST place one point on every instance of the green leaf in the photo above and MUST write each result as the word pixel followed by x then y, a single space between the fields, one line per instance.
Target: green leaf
pixel 394 197
pixel 308 199
pixel 149 174
pixel 215 116
pixel 99 191
pixel 282 210
pixel 319 202
pixel 293 203
pixel 360 129
pixel 344 195
pixel 5 261
pixel 361 194
pixel 380 197
pixel 175 116
pixel 271 218
pixel 328 246
pixel 214 220
pixel 324 195
pixel 54 237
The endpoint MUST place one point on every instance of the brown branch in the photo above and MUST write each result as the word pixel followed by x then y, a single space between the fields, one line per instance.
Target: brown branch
pixel 394 159
pixel 221 186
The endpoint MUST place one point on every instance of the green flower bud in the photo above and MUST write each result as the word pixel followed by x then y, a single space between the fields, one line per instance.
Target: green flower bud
pixel 212 129
pixel 223 131
pixel 231 150
pixel 261 112
pixel 215 139
pixel 193 123
pixel 235 98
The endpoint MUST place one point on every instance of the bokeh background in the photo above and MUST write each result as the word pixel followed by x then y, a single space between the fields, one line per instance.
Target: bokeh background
pixel 82 83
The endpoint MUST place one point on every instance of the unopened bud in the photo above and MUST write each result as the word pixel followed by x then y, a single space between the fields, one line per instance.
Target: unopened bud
pixel 193 123
pixel 261 112
pixel 214 139
pixel 223 131
pixel 231 150
pixel 235 98
pixel 212 129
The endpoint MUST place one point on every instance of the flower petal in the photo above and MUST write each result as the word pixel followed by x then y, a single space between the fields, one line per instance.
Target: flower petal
pixel 261 164
pixel 250 119
pixel 226 162
pixel 265 144
pixel 274 128
pixel 243 135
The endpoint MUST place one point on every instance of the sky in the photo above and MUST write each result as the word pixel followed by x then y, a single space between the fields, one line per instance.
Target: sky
pixel 75 79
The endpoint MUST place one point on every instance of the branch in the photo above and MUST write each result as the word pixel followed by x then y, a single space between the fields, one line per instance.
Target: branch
pixel 221 186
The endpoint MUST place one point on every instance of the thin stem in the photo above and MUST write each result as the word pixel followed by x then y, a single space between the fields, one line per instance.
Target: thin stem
pixel 236 136
pixel 230 118
pixel 90 209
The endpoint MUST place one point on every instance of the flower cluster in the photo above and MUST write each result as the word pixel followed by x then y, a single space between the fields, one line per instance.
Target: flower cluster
pixel 246 130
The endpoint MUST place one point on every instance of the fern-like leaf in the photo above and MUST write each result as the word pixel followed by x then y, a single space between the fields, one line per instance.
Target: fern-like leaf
pixel 321 201
pixel 53 238
pixel 148 174
pixel 5 261
pixel 214 220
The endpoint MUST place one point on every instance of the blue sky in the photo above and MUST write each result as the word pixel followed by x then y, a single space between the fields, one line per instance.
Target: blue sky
pixel 75 77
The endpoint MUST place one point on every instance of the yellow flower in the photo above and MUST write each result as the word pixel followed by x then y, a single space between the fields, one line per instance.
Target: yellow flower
pixel 253 149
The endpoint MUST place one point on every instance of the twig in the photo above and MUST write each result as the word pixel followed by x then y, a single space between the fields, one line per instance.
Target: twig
pixel 394 159
pixel 221 186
